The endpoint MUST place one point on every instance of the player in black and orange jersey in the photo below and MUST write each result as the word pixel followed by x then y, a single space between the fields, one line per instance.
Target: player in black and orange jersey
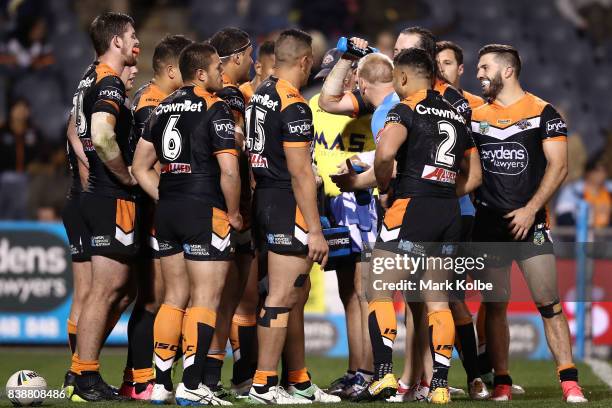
pixel 78 237
pixel 237 315
pixel 264 67
pixel 449 58
pixel 523 146
pixel 431 173
pixel 191 133
pixel 417 371
pixel 138 374
pixel 285 215
pixel 107 204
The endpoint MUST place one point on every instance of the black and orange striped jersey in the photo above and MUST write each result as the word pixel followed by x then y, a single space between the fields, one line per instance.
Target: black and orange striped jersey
pixel 247 91
pixel 101 90
pixel 146 99
pixel 188 129
pixel 473 100
pixel 455 98
pixel 510 142
pixel 278 116
pixel 233 97
pixel 428 161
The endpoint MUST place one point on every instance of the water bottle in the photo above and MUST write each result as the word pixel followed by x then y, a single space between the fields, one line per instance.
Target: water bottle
pixel 346 46
pixel 363 197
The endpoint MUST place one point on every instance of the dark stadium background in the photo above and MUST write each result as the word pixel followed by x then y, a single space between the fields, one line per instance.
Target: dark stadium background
pixel 566 47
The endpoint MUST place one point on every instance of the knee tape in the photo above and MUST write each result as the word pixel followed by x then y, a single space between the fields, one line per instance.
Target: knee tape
pixel 551 310
pixel 272 316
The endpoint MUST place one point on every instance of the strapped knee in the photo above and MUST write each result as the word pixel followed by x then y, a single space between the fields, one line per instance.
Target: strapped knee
pixel 272 316
pixel 551 310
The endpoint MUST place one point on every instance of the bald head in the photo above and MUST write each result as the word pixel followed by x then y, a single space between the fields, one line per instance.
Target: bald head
pixel 375 68
pixel 291 46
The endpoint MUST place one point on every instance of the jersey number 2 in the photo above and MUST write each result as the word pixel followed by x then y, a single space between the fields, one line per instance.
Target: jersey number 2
pixel 443 154
pixel 171 139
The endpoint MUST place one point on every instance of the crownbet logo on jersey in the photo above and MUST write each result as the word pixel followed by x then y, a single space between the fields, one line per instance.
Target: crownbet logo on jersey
pixel 264 101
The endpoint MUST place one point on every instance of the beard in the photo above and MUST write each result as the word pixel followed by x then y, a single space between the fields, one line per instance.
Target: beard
pixel 495 87
pixel 130 59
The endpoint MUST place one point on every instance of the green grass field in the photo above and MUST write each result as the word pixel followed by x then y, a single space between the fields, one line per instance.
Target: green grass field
pixel 538 377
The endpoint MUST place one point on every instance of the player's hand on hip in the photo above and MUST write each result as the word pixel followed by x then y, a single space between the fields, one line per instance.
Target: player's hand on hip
pixel 235 221
pixel 521 221
pixel 318 250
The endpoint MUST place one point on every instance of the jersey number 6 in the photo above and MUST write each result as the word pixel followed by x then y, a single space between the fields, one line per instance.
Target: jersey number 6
pixel 443 155
pixel 171 139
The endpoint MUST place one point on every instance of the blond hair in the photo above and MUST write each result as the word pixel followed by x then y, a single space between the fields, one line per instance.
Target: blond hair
pixel 375 68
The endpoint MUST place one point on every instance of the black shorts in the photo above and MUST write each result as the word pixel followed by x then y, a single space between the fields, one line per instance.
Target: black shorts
pixel 76 230
pixel 491 226
pixel 422 219
pixel 112 224
pixel 146 214
pixel 202 232
pixel 278 224
pixel 244 242
pixel 467 228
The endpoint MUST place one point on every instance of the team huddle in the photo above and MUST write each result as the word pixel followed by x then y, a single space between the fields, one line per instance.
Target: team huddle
pixel 206 200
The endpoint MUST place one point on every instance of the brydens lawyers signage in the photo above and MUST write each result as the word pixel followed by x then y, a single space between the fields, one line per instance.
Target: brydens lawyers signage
pixel 35 274
pixel 35 282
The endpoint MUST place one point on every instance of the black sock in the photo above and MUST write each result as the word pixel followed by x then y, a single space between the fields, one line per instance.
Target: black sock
pixel 87 379
pixel 440 376
pixel 469 353
pixel 245 367
pixel 141 346
pixel 569 374
pixel 303 385
pixel 383 354
pixel 382 369
pixel 502 380
pixel 271 381
pixel 284 379
pixel 192 375
pixel 484 364
pixel 164 377
pixel 212 372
